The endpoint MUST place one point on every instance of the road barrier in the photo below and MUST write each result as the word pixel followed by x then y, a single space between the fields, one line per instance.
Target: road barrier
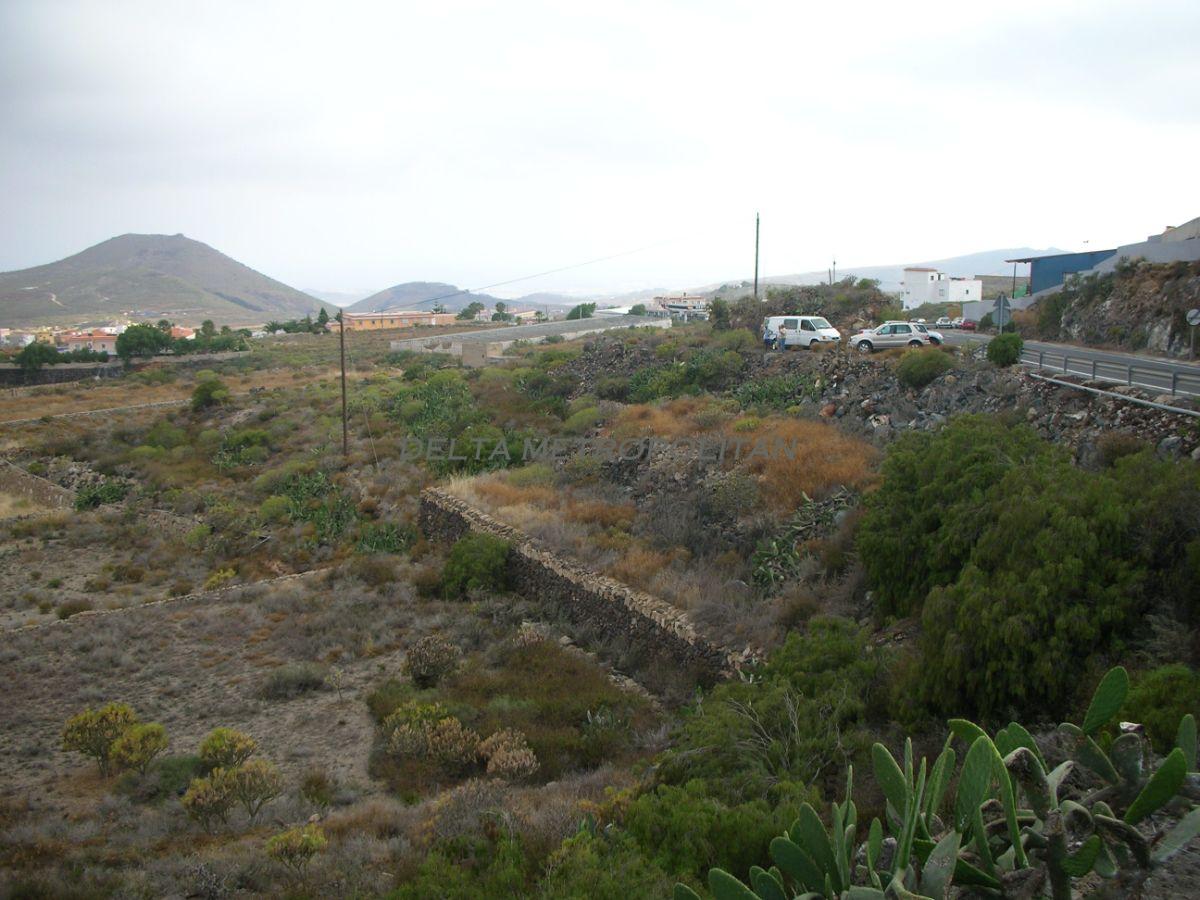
pixel 1162 378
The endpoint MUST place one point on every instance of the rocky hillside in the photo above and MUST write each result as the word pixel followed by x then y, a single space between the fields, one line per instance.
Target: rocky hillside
pixel 148 276
pixel 1138 306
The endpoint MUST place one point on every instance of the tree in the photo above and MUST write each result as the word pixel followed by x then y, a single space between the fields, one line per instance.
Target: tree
pixel 274 327
pixel 226 748
pixel 142 340
pixel 323 317
pixel 36 355
pixel 470 311
pixel 210 392
pixel 719 314
pixel 254 784
pixel 638 309
pixel 94 732
pixel 137 747
pixel 164 325
pixel 207 328
pixel 439 308
pixel 582 311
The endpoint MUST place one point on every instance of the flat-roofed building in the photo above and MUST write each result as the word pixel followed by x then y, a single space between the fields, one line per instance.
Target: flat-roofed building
pixel 395 318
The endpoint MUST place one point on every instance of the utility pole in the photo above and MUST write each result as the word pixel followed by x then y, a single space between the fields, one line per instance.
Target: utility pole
pixel 833 276
pixel 345 427
pixel 1014 286
pixel 756 256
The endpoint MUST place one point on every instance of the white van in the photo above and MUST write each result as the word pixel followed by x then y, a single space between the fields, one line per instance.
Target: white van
pixel 783 332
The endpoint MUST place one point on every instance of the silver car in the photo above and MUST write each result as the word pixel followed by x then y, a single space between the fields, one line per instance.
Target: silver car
pixel 935 337
pixel 889 335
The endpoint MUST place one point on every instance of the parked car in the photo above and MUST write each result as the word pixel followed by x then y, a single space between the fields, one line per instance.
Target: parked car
pixel 944 322
pixel 799 331
pixel 935 337
pixel 968 325
pixel 956 322
pixel 889 335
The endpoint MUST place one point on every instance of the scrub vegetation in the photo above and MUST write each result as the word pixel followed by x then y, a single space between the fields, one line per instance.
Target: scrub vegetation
pixel 236 666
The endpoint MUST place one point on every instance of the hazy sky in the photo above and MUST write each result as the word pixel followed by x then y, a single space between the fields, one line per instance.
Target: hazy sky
pixel 348 145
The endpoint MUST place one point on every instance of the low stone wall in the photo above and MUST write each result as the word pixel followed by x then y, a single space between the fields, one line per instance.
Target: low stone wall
pixel 588 599
pixel 63 373
pixel 34 488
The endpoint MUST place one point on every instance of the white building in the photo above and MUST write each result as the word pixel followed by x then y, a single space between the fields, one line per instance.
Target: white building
pixel 924 285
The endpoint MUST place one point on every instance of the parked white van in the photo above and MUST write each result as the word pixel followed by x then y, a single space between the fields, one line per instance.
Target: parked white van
pixel 783 332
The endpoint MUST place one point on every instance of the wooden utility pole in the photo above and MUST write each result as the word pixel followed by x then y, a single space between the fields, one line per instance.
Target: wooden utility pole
pixel 345 426
pixel 756 256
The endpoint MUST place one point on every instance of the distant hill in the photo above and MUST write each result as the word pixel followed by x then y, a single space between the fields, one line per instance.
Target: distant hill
pixel 421 295
pixel 148 276
pixel 425 294
pixel 986 262
pixel 339 298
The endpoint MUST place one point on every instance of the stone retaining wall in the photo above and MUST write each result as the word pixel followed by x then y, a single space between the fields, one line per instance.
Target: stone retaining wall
pixel 588 599
pixel 16 480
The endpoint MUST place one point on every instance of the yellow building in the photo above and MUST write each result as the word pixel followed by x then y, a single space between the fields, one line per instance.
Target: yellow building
pixel 396 318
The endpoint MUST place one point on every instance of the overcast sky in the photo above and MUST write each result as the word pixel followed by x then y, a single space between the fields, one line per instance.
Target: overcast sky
pixel 346 145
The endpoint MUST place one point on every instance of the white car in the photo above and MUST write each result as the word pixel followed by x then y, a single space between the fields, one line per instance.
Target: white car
pixel 889 335
pixel 935 337
pixel 944 322
pixel 783 332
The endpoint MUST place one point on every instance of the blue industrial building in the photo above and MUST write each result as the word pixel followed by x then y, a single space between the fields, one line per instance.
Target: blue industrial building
pixel 1051 271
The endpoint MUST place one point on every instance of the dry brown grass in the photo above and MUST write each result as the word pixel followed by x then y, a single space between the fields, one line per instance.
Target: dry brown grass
pixel 605 515
pixel 823 458
pixel 500 493
pixel 676 418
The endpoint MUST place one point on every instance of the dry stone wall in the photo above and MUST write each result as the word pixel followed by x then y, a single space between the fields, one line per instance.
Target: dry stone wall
pixel 34 488
pixel 588 599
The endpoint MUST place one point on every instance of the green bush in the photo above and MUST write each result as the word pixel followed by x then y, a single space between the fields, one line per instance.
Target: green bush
pixel 801 717
pixel 590 866
pixel 582 421
pixel 1159 699
pixel 210 392
pixel 1019 564
pixel 137 747
pixel 94 732
pixel 776 392
pixel 685 830
pixel 919 367
pixel 225 748
pixel 92 495
pixel 476 562
pixel 293 679
pixel 1005 349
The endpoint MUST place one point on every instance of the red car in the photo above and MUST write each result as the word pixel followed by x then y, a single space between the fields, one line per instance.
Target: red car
pixel 968 325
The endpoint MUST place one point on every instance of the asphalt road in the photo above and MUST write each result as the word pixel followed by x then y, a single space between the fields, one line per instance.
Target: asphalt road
pixel 1167 376
pixel 534 332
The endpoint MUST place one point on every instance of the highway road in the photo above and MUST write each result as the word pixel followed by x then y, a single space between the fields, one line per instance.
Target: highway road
pixel 1166 376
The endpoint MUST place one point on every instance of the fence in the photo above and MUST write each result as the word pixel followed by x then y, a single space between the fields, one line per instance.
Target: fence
pixel 1165 378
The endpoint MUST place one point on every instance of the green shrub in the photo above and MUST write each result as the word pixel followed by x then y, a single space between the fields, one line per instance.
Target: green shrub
pixel 613 387
pixel 296 847
pixel 108 491
pixel 686 830
pixel 208 800
pixel 776 392
pixel 226 748
pixel 467 869
pixel 430 660
pixel 385 537
pixel 476 562
pixel 255 783
pixel 590 866
pixel 802 716
pixel 210 392
pixel 94 732
pixel 582 421
pixel 1159 699
pixel 139 745
pixel 69 608
pixel 293 679
pixel 274 509
pixel 919 367
pixel 1019 564
pixel 1005 349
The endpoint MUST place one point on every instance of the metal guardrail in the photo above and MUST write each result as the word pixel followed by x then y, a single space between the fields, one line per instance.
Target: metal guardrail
pixel 1176 382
